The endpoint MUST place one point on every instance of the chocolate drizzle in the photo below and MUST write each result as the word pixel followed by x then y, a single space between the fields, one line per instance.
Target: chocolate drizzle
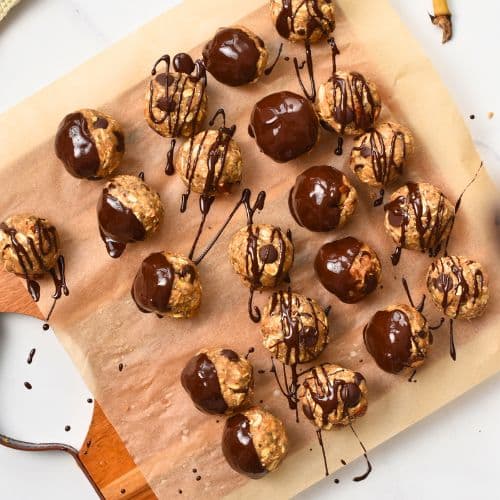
pixel 310 71
pixel 239 449
pixel 118 225
pixel 271 67
pixel 169 167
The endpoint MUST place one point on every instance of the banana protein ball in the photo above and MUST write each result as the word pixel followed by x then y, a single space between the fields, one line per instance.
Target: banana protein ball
pixel 254 442
pixel 303 20
pixel 90 144
pixel 398 337
pixel 322 198
pixel 235 56
pixel 167 284
pixel 458 287
pixel 418 217
pixel 348 268
pixel 294 328
pixel 128 211
pixel 331 395
pixel 219 381
pixel 176 101
pixel 379 155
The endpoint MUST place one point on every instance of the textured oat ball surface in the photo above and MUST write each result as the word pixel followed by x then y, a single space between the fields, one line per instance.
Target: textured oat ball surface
pixel 210 163
pixel 331 395
pixel 254 442
pixel 419 216
pixel 398 337
pixel 176 104
pixel 90 144
pixel 29 245
pixel 294 328
pixel 219 381
pixel 348 104
pixel 322 198
pixel 379 155
pixel 458 287
pixel 298 20
pixel 261 255
pixel 348 268
pixel 235 56
pixel 167 284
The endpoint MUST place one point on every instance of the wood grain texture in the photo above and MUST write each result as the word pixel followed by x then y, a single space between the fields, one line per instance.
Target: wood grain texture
pixel 103 453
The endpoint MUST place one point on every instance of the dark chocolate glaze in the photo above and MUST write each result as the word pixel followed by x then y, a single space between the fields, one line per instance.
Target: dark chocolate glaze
pixel 76 148
pixel 333 267
pixel 118 224
pixel 388 338
pixel 232 57
pixel 234 356
pixel 284 125
pixel 199 379
pixel 315 199
pixel 183 63
pixel 153 284
pixel 239 449
pixel 431 230
pixel 285 22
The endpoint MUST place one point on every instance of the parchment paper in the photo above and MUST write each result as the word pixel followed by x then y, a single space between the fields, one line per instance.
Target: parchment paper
pixel 100 326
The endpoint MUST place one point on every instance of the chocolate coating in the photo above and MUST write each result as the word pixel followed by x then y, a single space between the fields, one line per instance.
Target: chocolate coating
pixel 231 57
pixel 153 284
pixel 118 225
pixel 388 339
pixel 284 126
pixel 334 268
pixel 239 449
pixel 75 147
pixel 315 201
pixel 200 381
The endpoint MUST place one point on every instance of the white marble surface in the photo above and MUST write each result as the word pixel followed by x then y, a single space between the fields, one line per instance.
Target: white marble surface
pixel 450 454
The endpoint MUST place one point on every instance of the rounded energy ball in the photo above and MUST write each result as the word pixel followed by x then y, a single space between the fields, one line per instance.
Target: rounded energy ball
pixel 219 381
pixel 398 337
pixel 261 255
pixel 128 211
pixel 322 198
pixel 348 104
pixel 298 20
pixel 458 287
pixel 331 395
pixel 294 328
pixel 379 155
pixel 235 56
pixel 168 285
pixel 254 442
pixel 348 268
pixel 90 144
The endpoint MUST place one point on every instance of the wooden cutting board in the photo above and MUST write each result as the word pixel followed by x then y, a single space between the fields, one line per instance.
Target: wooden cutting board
pixel 106 460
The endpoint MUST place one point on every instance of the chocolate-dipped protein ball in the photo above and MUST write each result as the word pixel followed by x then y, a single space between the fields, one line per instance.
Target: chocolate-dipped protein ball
pixel 294 328
pixel 168 285
pixel 348 103
pixel 235 56
pixel 348 268
pixel 298 20
pixel 322 198
pixel 219 381
pixel 331 395
pixel 261 254
pixel 210 163
pixel 128 211
pixel 284 126
pixel 419 217
pixel 90 144
pixel 398 337
pixel 176 102
pixel 379 155
pixel 254 442
pixel 458 287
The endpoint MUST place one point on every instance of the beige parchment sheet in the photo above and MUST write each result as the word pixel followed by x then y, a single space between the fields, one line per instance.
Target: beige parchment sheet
pixel 100 326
